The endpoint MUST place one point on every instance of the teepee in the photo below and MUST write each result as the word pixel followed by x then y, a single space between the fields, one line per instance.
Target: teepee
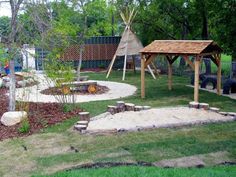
pixel 129 44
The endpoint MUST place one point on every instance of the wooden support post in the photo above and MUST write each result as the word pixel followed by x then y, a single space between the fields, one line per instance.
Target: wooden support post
pixel 169 75
pixel 196 79
pixel 142 76
pixel 219 75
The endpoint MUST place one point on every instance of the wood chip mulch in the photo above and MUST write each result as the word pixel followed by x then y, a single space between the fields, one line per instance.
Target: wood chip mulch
pixel 40 115
pixel 58 91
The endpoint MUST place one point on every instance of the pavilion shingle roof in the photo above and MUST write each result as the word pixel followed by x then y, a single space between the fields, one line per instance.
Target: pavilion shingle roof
pixel 181 47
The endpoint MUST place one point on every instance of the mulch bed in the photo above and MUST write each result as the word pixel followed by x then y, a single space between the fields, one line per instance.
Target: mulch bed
pixel 58 91
pixel 40 115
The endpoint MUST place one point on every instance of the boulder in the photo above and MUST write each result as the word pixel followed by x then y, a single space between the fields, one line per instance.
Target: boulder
pixel 13 117
pixel 22 83
pixel 6 79
pixel 6 84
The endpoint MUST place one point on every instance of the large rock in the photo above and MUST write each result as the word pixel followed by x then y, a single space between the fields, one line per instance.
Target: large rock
pixel 13 117
pixel 22 83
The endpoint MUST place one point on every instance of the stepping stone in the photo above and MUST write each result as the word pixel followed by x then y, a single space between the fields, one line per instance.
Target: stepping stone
pixel 213 109
pixel 82 122
pixel 80 127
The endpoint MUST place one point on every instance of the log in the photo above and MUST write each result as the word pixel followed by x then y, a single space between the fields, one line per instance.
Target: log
pixel 120 106
pixel 232 113
pixel 138 108
pixel 84 116
pixel 204 106
pixel 101 132
pixel 193 104
pixel 129 106
pixel 213 109
pixel 112 109
pixel 223 113
pixel 146 107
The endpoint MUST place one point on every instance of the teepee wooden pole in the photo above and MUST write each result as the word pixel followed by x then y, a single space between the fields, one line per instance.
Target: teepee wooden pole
pixel 111 65
pixel 150 70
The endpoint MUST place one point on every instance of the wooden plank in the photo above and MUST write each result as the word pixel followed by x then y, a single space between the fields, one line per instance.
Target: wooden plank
pixel 169 76
pixel 174 59
pixel 213 60
pixel 219 75
pixel 186 58
pixel 196 79
pixel 142 76
pixel 149 60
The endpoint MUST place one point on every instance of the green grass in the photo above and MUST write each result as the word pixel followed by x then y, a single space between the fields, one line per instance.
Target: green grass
pixel 135 171
pixel 157 95
pixel 49 152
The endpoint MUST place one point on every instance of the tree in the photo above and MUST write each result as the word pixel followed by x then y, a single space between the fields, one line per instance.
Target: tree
pixel 11 46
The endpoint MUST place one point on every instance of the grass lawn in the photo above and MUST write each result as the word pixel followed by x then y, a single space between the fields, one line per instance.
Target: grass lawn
pixel 134 171
pixel 50 151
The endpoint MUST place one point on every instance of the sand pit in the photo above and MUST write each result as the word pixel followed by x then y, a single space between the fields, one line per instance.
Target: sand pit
pixel 158 117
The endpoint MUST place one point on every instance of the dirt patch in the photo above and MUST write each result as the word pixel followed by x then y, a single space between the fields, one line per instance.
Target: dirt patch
pixel 40 116
pixel 58 91
pixel 201 160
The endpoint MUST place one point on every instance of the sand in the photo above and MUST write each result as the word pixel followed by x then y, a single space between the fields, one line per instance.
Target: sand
pixel 158 117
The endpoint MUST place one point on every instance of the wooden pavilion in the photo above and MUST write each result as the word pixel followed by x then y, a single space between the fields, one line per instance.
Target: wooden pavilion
pixel 172 49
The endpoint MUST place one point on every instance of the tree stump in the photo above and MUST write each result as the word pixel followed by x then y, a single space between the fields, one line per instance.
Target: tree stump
pixel 204 106
pixel 138 108
pixel 84 116
pixel 80 127
pixel 129 106
pixel 112 109
pixel 82 122
pixel 146 107
pixel 193 104
pixel 213 109
pixel 120 106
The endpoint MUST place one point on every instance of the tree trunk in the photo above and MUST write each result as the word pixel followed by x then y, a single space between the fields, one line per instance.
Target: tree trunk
pixel 12 89
pixel 80 62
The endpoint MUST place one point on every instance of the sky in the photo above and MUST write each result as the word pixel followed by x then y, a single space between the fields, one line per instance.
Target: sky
pixel 5 9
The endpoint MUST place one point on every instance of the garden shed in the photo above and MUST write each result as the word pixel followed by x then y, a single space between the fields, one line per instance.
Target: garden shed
pixel 191 50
